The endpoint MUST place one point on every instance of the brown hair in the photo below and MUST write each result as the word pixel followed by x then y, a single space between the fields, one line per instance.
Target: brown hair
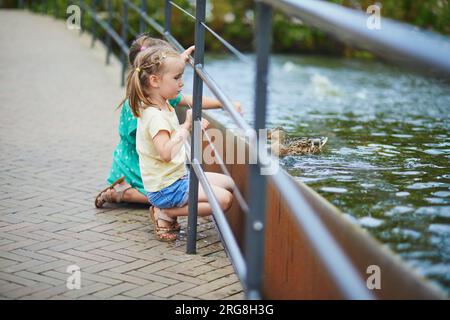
pixel 151 61
pixel 142 42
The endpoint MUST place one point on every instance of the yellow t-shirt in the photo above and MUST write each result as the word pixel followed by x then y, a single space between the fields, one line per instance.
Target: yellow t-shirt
pixel 156 173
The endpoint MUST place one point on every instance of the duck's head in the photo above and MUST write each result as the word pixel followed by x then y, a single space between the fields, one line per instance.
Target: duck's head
pixel 277 133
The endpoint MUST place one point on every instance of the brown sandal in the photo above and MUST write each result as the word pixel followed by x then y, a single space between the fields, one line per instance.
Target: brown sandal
pixel 162 233
pixel 104 196
pixel 175 225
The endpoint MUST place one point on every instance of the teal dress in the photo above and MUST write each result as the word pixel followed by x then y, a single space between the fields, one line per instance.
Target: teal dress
pixel 125 157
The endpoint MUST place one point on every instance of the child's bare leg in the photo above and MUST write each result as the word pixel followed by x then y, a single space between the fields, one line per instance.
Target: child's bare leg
pixel 134 196
pixel 131 196
pixel 203 209
pixel 220 180
pixel 224 197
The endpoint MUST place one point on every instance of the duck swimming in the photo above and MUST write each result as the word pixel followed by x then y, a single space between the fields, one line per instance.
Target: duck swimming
pixel 282 145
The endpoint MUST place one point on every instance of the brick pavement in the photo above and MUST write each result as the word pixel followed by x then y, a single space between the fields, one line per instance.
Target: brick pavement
pixel 58 128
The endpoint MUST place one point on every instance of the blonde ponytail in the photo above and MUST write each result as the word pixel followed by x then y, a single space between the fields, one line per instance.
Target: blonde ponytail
pixel 148 62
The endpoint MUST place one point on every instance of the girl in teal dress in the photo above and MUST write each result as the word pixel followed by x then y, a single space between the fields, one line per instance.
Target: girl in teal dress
pixel 125 182
pixel 125 174
pixel 125 158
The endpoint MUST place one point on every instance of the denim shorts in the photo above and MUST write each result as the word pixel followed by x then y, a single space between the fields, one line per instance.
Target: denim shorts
pixel 175 195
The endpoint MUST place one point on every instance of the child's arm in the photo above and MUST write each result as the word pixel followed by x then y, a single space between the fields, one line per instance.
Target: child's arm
pixel 168 146
pixel 187 52
pixel 207 103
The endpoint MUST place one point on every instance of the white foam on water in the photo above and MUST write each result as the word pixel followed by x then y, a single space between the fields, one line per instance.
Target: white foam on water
pixel 407 173
pixel 334 190
pixel 288 66
pixel 398 210
pixel 441 211
pixel 442 229
pixel 442 194
pixel 437 200
pixel 407 233
pixel 370 222
pixel 367 185
pixel 437 151
pixel 397 135
pixel 323 86
pixel 425 185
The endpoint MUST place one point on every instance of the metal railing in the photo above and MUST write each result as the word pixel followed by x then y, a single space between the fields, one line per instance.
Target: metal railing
pixel 111 34
pixel 422 51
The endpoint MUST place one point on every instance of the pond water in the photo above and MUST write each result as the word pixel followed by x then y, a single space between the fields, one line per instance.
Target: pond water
pixel 386 165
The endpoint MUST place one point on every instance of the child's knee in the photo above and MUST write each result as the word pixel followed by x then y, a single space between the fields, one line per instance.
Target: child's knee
pixel 226 182
pixel 226 199
pixel 230 182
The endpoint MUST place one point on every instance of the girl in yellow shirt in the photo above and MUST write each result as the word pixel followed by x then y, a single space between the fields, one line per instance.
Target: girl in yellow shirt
pixel 155 78
pixel 125 176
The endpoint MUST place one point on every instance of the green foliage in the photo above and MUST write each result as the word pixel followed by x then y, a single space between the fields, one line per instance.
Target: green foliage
pixel 234 21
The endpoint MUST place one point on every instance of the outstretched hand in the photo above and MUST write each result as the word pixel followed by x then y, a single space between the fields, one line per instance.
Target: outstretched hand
pixel 185 55
pixel 204 124
pixel 238 107
pixel 188 121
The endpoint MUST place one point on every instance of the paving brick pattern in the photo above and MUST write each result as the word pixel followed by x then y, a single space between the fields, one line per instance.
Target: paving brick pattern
pixel 58 128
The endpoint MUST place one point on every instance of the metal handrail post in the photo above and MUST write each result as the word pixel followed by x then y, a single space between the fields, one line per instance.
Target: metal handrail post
pixel 142 25
pixel 108 37
pixel 196 138
pixel 123 57
pixel 401 43
pixel 94 24
pixel 226 233
pixel 45 6
pixel 334 259
pixel 81 2
pixel 254 240
pixel 55 9
pixel 167 16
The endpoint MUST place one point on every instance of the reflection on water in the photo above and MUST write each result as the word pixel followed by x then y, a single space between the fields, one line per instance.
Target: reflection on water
pixel 386 165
